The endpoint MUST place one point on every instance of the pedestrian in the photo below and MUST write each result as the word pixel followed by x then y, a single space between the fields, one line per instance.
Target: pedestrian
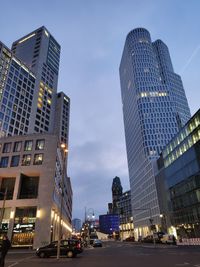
pixel 174 240
pixel 4 249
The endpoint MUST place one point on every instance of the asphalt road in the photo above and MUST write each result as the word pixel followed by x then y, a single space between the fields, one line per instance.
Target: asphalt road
pixel 114 254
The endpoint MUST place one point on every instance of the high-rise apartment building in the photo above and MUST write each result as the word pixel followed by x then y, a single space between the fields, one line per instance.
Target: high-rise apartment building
pixel 154 108
pixel 32 112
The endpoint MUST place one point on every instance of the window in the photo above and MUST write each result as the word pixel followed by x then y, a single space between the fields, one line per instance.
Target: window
pixel 4 162
pixel 17 147
pixel 26 160
pixel 28 145
pixel 28 187
pixel 40 144
pixel 15 161
pixel 7 147
pixel 38 159
pixel 9 184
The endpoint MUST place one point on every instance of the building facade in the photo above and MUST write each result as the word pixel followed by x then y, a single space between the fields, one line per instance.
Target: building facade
pixel 30 164
pixel 30 106
pixel 109 224
pixel 179 180
pixel 125 215
pixel 154 109
pixel 76 225
pixel 117 191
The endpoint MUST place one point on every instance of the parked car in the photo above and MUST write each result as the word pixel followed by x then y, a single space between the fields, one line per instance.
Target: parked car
pixel 129 239
pixel 168 239
pixel 97 243
pixel 151 239
pixel 69 248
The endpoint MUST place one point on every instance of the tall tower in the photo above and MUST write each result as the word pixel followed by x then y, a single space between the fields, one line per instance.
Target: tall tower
pixel 154 108
pixel 117 191
pixel 34 129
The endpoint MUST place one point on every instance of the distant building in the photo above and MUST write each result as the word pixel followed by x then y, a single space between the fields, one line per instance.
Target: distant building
pixel 178 181
pixel 116 194
pixel 76 225
pixel 109 223
pixel 154 108
pixel 126 219
pixel 110 208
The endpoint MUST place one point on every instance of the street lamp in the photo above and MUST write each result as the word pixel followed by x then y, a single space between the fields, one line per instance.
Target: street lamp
pixel 65 150
pixel 89 220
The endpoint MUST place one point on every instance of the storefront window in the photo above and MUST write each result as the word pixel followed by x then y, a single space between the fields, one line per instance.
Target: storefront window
pixel 24 226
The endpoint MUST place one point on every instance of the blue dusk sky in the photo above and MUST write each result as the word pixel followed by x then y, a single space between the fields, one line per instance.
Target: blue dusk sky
pixel 92 35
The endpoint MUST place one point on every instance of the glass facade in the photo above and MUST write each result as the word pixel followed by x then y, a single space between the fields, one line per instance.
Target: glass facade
pixel 16 94
pixel 180 167
pixel 109 223
pixel 187 137
pixel 154 109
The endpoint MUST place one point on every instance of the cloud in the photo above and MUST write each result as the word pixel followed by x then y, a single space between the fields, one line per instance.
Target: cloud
pixel 93 165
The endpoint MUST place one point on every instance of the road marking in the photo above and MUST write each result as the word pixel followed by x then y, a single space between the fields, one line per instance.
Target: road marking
pixel 182 264
pixel 17 262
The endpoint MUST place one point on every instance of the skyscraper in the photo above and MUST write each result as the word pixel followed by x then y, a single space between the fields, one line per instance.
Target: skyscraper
pixel 154 108
pixel 34 122
pixel 28 87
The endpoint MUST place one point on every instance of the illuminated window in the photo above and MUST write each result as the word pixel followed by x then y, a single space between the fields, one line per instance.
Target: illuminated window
pixel 26 160
pixel 38 159
pixel 28 145
pixel 40 144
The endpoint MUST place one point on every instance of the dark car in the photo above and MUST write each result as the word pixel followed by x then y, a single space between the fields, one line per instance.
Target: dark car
pixel 97 243
pixel 151 239
pixel 69 248
pixel 129 239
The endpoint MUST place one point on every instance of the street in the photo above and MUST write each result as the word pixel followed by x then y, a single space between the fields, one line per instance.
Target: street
pixel 114 254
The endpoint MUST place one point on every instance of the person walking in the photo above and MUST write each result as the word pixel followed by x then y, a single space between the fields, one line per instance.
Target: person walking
pixel 4 249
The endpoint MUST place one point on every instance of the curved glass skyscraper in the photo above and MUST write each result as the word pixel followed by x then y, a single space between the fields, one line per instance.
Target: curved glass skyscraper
pixel 154 108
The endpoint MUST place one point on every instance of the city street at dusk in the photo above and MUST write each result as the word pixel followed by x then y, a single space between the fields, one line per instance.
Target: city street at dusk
pixel 99 133
pixel 115 253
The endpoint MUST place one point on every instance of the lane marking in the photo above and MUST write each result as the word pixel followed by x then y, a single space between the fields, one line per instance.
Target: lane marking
pixel 182 264
pixel 17 262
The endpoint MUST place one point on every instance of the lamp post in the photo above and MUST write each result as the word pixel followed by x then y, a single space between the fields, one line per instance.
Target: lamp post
pixel 151 223
pixel 64 149
pixel 89 221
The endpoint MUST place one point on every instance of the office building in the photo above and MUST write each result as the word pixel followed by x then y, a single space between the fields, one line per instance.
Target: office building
pixel 125 215
pixel 178 180
pixel 76 225
pixel 109 224
pixel 154 109
pixel 30 106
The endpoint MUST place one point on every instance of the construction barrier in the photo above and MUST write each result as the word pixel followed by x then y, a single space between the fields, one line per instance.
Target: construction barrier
pixel 188 242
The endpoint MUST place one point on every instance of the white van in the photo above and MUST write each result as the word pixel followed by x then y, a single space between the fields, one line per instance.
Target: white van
pixel 168 239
